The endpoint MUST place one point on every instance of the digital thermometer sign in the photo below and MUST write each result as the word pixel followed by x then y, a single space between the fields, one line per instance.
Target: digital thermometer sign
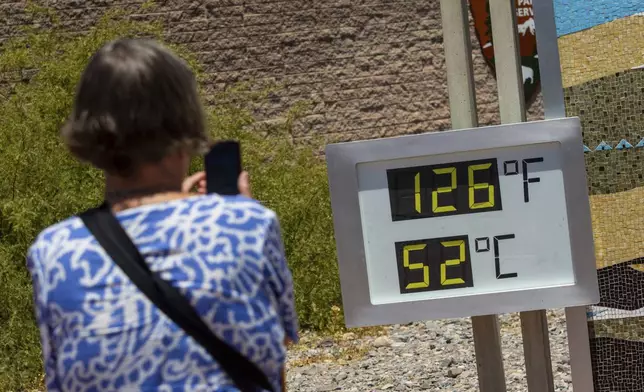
pixel 462 223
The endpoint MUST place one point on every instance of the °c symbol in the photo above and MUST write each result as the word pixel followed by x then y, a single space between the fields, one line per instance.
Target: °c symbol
pixel 482 244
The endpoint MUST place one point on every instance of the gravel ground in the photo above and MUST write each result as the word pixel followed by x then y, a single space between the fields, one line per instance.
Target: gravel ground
pixel 429 356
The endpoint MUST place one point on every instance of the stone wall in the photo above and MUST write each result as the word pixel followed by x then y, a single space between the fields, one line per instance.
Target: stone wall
pixel 369 68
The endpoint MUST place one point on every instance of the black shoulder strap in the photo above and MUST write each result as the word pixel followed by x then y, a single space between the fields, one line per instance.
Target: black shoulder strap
pixel 118 245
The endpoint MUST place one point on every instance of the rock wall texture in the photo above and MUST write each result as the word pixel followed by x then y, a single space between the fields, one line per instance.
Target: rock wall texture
pixel 369 68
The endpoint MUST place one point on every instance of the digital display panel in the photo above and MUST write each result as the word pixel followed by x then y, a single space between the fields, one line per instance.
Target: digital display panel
pixel 444 190
pixel 434 264
pixel 412 256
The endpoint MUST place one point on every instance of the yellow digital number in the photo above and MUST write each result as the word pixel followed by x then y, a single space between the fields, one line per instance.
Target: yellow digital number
pixel 452 172
pixel 412 248
pixel 417 191
pixel 479 186
pixel 452 262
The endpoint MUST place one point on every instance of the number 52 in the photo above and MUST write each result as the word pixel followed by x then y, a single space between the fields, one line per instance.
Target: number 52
pixel 426 282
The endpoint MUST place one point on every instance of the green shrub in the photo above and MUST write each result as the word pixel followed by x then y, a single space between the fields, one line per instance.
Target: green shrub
pixel 40 183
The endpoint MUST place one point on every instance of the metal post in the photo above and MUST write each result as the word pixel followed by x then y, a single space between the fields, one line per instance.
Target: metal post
pixel 536 349
pixel 489 360
pixel 554 107
pixel 549 62
pixel 534 325
pixel 509 77
pixel 462 101
pixel 458 59
pixel 581 365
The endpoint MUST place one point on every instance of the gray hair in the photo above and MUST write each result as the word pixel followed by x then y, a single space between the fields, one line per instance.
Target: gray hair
pixel 136 103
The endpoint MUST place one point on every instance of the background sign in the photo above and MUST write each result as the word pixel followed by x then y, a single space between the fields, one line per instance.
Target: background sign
pixel 527 42
pixel 461 223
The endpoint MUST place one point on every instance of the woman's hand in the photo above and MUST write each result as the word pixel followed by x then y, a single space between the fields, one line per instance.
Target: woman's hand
pixel 198 181
pixel 243 184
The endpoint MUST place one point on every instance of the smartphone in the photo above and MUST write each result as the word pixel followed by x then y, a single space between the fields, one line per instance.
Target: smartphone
pixel 223 167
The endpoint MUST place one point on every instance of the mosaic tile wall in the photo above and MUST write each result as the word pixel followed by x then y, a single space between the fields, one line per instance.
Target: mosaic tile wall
pixel 602 54
pixel 613 129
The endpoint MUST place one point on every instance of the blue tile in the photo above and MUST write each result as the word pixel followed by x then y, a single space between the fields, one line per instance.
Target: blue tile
pixel 640 144
pixel 603 146
pixel 623 144
pixel 586 149
pixel 576 15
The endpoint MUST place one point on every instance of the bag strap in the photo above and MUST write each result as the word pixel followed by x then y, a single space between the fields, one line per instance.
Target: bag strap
pixel 115 241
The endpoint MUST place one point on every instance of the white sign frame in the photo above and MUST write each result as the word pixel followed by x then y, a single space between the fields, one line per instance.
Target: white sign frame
pixel 342 162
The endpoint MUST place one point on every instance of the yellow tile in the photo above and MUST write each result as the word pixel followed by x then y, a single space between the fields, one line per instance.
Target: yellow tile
pixel 603 50
pixel 618 220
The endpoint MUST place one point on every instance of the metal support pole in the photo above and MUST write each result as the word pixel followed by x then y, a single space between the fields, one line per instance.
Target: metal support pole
pixel 554 107
pixel 489 360
pixel 534 325
pixel 462 101
pixel 458 59
pixel 549 62
pixel 581 365
pixel 536 349
pixel 509 77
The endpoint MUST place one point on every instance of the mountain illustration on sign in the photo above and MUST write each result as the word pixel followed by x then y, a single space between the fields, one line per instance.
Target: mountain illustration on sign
pixel 527 42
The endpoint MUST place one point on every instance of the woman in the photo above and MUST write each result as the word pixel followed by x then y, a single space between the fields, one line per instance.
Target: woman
pixel 137 117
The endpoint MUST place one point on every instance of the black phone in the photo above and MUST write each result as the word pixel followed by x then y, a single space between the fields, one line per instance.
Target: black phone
pixel 223 167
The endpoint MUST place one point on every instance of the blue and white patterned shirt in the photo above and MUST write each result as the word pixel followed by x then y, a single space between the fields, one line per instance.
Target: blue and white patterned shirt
pixel 100 333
